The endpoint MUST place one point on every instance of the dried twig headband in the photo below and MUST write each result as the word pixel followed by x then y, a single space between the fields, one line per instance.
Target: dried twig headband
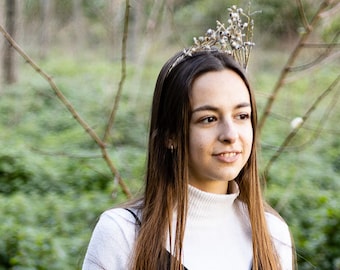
pixel 235 39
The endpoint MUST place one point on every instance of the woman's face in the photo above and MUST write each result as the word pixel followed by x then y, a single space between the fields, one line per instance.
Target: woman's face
pixel 220 132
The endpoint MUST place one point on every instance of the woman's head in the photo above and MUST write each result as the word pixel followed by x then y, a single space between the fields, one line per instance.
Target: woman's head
pixel 172 108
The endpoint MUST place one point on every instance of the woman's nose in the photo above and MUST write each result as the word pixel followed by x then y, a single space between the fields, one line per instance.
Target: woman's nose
pixel 228 132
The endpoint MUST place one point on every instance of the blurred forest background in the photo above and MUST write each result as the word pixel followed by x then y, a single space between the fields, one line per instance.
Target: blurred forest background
pixel 74 111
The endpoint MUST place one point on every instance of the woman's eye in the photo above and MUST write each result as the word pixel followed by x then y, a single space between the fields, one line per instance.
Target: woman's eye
pixel 243 116
pixel 209 119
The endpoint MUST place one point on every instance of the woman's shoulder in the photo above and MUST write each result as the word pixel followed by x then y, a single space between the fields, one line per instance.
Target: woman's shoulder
pixel 278 228
pixel 112 240
pixel 282 240
pixel 116 226
pixel 119 218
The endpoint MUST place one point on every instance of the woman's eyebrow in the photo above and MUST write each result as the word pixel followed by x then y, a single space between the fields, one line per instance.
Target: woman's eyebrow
pixel 242 105
pixel 205 108
pixel 213 108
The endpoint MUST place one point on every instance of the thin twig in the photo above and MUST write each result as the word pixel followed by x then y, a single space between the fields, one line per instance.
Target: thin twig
pixel 313 63
pixel 303 72
pixel 175 31
pixel 123 74
pixel 153 24
pixel 303 15
pixel 312 128
pixel 289 63
pixel 321 45
pixel 319 58
pixel 64 154
pixel 317 130
pixel 69 106
pixel 334 11
pixel 292 134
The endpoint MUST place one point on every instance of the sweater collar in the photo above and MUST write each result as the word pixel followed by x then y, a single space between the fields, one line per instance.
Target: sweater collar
pixel 205 205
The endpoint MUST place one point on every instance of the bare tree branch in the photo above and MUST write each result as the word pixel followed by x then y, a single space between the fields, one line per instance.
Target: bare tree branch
pixel 303 15
pixel 123 73
pixel 305 70
pixel 316 130
pixel 328 49
pixel 291 60
pixel 74 113
pixel 175 30
pixel 292 134
pixel 9 66
pixel 327 14
pixel 153 23
pixel 319 128
pixel 321 45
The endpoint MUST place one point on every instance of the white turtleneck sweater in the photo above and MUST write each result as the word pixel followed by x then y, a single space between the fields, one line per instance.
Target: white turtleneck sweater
pixel 217 235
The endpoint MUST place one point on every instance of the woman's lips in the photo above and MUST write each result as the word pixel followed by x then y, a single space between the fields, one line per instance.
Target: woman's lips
pixel 228 157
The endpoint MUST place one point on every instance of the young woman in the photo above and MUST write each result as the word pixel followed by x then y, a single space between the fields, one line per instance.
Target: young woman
pixel 202 206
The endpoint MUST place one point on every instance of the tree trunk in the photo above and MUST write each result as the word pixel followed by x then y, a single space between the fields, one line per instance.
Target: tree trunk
pixel 137 28
pixel 78 24
pixel 46 17
pixel 8 60
pixel 115 26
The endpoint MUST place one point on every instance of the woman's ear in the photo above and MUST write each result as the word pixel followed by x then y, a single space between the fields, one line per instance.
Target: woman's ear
pixel 170 144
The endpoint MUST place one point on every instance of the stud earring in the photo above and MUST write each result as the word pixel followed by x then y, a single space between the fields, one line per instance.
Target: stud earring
pixel 172 148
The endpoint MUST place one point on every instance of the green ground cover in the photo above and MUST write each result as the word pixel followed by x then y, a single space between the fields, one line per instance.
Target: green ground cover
pixel 54 184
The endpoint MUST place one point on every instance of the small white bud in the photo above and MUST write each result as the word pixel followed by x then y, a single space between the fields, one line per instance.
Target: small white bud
pixel 296 122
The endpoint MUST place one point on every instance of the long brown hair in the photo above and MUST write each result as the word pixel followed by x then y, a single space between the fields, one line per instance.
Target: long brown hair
pixel 167 169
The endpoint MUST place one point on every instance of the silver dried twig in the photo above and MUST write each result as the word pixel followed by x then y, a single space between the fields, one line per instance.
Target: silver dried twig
pixel 234 39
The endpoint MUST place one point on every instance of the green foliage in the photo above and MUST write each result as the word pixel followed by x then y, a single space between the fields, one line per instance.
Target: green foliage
pixel 54 183
pixel 331 32
pixel 47 232
pixel 47 151
pixel 203 15
pixel 53 180
pixel 281 19
pixel 275 20
pixel 303 183
pixel 31 172
pixel 13 174
pixel 314 218
pixel 334 155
